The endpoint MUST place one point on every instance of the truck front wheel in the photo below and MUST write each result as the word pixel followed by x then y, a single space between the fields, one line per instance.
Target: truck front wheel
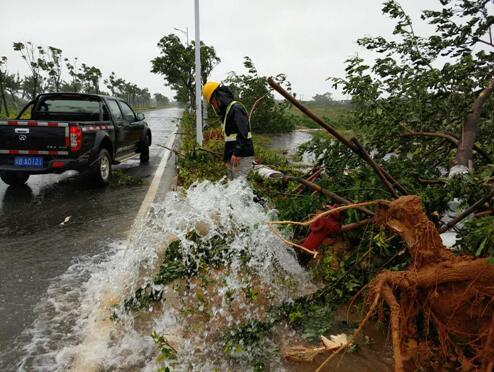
pixel 13 178
pixel 101 170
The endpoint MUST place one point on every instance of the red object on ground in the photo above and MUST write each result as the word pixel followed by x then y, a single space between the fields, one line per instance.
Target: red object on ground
pixel 321 229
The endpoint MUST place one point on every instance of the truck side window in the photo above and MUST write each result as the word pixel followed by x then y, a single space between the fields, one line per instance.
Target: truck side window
pixel 127 112
pixel 115 110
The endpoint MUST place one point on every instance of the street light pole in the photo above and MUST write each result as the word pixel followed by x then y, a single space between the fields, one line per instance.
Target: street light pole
pixel 198 78
pixel 186 33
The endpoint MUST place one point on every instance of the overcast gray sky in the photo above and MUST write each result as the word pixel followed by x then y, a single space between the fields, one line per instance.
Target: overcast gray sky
pixel 308 40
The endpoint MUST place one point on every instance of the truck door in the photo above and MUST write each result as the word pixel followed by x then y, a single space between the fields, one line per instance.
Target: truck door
pixel 122 136
pixel 135 127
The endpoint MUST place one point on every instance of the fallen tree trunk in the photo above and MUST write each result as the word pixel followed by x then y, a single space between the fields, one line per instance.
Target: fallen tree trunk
pixel 332 131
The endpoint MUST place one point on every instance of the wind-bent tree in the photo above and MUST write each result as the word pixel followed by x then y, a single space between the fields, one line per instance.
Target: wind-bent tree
pixel 54 65
pixel 176 64
pixel 424 85
pixel 267 115
pixel 114 84
pixel 89 76
pixel 161 100
pixel 323 99
pixel 74 85
pixel 35 58
pixel 3 76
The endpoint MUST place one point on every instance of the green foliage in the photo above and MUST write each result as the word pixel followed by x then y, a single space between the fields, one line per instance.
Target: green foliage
pixel 423 83
pixel 477 237
pixel 46 65
pixel 269 116
pixel 181 262
pixel 166 351
pixel 176 64
pixel 130 92
pixel 251 340
pixel 197 165
pixel 120 178
pixel 35 58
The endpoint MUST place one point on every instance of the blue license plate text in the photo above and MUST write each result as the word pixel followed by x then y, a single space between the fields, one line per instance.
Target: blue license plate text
pixel 29 161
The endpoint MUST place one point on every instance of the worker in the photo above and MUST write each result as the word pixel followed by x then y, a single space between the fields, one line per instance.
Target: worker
pixel 239 149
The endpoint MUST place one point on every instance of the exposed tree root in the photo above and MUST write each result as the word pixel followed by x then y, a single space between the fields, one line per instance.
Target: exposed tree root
pixel 441 300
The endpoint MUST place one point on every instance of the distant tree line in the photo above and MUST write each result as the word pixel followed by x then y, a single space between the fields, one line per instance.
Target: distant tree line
pixel 50 71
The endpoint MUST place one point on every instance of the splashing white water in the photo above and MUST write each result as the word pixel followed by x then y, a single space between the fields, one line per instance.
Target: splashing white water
pixel 74 329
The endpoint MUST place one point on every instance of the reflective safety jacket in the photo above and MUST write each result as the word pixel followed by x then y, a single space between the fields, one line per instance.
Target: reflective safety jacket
pixel 236 130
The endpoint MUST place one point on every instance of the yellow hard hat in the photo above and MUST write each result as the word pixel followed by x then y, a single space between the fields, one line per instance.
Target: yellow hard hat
pixel 208 90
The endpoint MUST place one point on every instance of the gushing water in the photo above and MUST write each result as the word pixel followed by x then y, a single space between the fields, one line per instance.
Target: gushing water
pixel 231 270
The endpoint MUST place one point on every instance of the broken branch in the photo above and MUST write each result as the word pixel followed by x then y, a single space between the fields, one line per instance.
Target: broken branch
pixel 328 193
pixel 467 212
pixel 453 139
pixel 374 166
pixel 329 212
pixel 288 242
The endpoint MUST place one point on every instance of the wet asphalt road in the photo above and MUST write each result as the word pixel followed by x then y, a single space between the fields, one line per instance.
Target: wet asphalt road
pixel 35 248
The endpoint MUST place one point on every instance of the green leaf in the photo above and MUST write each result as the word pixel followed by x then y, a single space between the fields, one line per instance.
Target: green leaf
pixel 481 247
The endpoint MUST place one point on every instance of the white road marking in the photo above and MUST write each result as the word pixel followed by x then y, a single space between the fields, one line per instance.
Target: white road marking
pixel 153 188
pixel 99 331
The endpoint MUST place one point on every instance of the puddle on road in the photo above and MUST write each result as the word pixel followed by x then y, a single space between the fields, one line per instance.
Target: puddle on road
pixel 197 313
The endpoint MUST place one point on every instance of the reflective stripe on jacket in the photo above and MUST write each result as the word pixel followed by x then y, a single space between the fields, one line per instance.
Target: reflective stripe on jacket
pixel 233 136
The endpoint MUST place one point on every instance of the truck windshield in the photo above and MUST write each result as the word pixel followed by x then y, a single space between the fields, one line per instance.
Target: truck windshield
pixel 73 106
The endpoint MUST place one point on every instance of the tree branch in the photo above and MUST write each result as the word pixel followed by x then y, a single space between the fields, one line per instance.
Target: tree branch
pixel 467 212
pixel 451 138
pixel 470 129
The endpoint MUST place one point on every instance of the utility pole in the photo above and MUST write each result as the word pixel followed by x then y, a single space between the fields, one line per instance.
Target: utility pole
pixel 198 78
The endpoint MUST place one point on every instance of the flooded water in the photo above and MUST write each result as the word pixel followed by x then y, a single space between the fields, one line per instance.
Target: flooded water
pixel 289 142
pixel 40 259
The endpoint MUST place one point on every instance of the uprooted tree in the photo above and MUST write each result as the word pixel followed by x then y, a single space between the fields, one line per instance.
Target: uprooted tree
pixel 439 295
pixel 439 87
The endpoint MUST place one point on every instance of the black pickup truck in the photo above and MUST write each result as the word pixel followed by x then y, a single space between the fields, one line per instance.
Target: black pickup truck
pixel 84 132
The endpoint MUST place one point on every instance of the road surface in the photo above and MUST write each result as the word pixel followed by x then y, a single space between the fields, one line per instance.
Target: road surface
pixel 35 248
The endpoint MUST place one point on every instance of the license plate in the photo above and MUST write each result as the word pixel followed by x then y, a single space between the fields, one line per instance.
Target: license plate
pixel 29 161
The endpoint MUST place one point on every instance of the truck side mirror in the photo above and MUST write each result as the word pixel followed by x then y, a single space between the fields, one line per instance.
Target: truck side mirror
pixel 140 116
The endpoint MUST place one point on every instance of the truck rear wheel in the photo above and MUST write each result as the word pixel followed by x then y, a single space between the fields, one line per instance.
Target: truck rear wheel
pixel 13 178
pixel 144 157
pixel 101 170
